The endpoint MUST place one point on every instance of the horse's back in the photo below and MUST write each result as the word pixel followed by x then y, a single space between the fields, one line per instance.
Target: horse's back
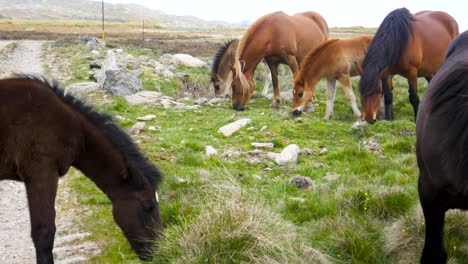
pixel 429 54
pixel 318 19
pixel 35 123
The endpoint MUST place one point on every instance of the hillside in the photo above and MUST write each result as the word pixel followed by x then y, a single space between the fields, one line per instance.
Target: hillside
pixel 91 10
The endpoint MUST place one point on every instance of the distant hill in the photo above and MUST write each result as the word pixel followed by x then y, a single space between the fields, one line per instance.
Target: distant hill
pixel 91 10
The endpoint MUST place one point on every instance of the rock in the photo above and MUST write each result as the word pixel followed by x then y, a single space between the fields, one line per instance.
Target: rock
pixel 230 154
pixel 298 199
pixel 288 155
pixel 136 128
pixel 154 128
pixel 210 151
pixel 146 118
pixel 117 117
pixel 323 151
pixel 109 63
pixel 229 129
pixel 332 177
pixel 299 120
pixel 118 50
pixel 319 165
pixel 187 60
pixel 373 146
pixel 301 182
pixel 166 58
pixel 306 152
pixel 216 101
pixel 263 128
pixel 272 155
pixel 262 145
pixel 122 82
pixel 78 88
pixel 143 58
pixel 359 125
pixel 92 43
pixel 256 156
pixel 95 53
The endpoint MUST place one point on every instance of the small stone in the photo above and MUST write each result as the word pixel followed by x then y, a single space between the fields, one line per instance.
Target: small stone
pixel 154 128
pixel 146 118
pixel 210 151
pixel 299 120
pixel 323 151
pixel 263 128
pixel 319 165
pixel 306 152
pixel 262 145
pixel 135 129
pixel 359 125
pixel 229 129
pixel 120 118
pixel 267 169
pixel 288 155
pixel 297 199
pixel 332 177
pixel 301 182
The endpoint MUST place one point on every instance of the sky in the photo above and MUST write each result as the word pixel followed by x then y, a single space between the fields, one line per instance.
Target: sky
pixel 337 13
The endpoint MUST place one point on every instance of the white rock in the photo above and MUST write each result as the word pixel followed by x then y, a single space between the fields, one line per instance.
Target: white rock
pixel 95 53
pixel 187 60
pixel 210 151
pixel 332 177
pixel 263 128
pixel 153 128
pixel 229 129
pixel 146 118
pixel 109 64
pixel 136 128
pixel 358 125
pixel 323 151
pixel 78 88
pixel 288 155
pixel 262 145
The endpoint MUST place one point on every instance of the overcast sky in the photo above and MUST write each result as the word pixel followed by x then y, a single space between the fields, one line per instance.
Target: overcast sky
pixel 337 13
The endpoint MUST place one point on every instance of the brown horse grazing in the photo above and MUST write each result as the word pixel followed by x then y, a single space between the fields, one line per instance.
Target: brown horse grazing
pixel 44 132
pixel 221 75
pixel 278 38
pixel 409 45
pixel 442 147
pixel 334 60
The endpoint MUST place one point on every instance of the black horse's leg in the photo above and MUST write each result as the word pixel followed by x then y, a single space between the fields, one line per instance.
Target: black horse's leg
pixel 413 91
pixel 388 96
pixel 41 187
pixel 274 78
pixel 434 216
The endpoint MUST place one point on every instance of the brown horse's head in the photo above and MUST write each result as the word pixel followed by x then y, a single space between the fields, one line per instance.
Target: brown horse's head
pixel 221 85
pixel 136 210
pixel 243 87
pixel 301 95
pixel 371 90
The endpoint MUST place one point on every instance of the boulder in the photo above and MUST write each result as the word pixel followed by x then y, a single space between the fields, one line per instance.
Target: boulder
pixel 301 182
pixel 187 60
pixel 82 87
pixel 122 82
pixel 288 155
pixel 109 63
pixel 229 129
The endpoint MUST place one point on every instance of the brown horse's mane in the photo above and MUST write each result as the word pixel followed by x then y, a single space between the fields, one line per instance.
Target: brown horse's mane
pixel 106 123
pixel 314 54
pixel 219 55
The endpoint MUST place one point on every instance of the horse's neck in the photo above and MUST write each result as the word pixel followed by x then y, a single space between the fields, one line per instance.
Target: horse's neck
pixel 251 57
pixel 100 161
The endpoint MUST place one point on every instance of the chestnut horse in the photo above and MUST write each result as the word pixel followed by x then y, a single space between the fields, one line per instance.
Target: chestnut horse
pixel 278 38
pixel 334 60
pixel 442 147
pixel 45 132
pixel 221 75
pixel 409 45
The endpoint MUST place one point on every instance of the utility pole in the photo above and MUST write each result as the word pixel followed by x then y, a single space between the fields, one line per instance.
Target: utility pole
pixel 142 26
pixel 103 32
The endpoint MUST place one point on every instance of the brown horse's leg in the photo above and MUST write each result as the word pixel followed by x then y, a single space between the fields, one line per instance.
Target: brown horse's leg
pixel 413 91
pixel 434 214
pixel 331 91
pixel 274 77
pixel 41 187
pixel 345 81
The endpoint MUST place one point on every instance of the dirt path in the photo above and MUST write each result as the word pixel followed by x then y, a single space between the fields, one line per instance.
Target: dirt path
pixel 16 246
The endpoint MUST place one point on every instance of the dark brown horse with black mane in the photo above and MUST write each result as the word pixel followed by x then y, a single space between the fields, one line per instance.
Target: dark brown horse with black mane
pixel 277 38
pixel 409 45
pixel 442 147
pixel 44 132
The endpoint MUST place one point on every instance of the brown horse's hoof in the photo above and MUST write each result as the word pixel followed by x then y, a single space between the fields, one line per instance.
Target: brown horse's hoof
pixel 275 105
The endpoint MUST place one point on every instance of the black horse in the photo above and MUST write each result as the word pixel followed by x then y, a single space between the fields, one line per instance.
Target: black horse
pixel 442 147
pixel 44 132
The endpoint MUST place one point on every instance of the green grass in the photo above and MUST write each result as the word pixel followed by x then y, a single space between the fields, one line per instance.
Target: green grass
pixel 355 219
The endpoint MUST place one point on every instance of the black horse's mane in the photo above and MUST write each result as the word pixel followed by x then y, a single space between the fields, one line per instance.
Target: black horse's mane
pixel 106 123
pixel 448 95
pixel 385 49
pixel 220 54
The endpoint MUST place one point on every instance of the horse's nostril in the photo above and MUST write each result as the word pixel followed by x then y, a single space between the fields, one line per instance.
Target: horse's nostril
pixel 296 112
pixel 216 88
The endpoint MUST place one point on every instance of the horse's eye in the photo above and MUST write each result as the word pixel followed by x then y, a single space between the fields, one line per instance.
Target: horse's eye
pixel 300 94
pixel 216 87
pixel 148 206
